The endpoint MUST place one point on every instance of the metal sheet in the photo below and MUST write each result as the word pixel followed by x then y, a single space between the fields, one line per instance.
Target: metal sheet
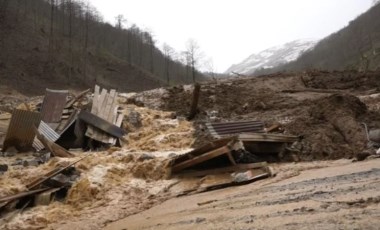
pixel 219 130
pixel 48 132
pixel 20 133
pixel 53 105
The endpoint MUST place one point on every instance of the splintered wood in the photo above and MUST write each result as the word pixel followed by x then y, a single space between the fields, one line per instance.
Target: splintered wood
pixel 104 106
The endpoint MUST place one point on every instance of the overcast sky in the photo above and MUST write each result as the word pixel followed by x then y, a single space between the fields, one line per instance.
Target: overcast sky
pixel 228 31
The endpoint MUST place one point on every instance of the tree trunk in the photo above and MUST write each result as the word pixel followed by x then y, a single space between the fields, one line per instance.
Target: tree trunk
pixel 194 104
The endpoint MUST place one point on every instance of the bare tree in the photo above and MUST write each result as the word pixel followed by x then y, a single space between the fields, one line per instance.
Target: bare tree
pixel 210 68
pixel 168 53
pixel 120 20
pixel 193 56
pixel 52 13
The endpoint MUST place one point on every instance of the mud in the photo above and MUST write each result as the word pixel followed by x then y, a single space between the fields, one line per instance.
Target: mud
pixel 121 182
pixel 330 124
pixel 317 195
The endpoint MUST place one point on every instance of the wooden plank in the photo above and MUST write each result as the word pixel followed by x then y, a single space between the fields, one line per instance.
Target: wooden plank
pixel 231 158
pixel 118 123
pixel 79 96
pixel 54 148
pixel 267 137
pixel 99 106
pixel 108 114
pixel 255 175
pixel 201 158
pixel 38 181
pixel 234 168
pixel 21 195
pixel 101 124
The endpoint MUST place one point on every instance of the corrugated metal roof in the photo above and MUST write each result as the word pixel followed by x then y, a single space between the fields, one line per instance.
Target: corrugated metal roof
pixel 48 132
pixel 223 129
pixel 53 105
pixel 20 132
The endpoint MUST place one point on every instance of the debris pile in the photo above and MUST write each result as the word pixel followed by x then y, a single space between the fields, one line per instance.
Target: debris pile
pixel 331 129
pixel 66 158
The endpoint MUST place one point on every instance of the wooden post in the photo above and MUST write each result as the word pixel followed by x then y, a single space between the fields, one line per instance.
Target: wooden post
pixel 194 104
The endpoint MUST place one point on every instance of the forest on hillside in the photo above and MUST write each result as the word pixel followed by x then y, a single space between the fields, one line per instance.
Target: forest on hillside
pixel 355 47
pixel 68 42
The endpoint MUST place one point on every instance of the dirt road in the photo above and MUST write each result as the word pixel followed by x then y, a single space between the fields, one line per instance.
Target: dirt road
pixel 318 195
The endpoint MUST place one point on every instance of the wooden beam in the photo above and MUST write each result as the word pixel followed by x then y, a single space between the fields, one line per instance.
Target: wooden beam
pixel 234 168
pixel 54 148
pixel 194 104
pixel 101 124
pixel 22 194
pixel 38 181
pixel 200 159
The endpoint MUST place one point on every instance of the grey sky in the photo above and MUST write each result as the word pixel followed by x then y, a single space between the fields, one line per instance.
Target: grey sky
pixel 230 30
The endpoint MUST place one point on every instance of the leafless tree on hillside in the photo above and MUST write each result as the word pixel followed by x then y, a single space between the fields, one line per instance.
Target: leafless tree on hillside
pixel 168 53
pixel 193 56
pixel 120 20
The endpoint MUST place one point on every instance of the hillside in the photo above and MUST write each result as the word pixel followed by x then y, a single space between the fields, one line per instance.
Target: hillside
pixel 65 44
pixel 273 57
pixel 355 47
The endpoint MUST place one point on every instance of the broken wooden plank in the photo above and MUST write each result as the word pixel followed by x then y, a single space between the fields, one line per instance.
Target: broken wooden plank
pixel 234 168
pixel 313 90
pixel 273 128
pixel 105 107
pixel 77 98
pixel 21 195
pixel 267 137
pixel 254 175
pixel 201 158
pixel 101 124
pixel 5 116
pixel 38 181
pixel 204 149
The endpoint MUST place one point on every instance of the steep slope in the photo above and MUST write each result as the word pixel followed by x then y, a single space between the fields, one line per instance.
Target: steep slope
pixel 355 47
pixel 273 57
pixel 67 45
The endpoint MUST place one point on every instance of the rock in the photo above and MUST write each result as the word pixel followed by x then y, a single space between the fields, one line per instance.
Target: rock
pixel 134 119
pixel 240 177
pixel 18 162
pixel 33 162
pixel 200 220
pixel 362 156
pixel 172 155
pixel 10 152
pixel 3 167
pixel 145 156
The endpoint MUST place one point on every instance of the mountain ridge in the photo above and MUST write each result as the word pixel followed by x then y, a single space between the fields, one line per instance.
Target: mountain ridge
pixel 273 56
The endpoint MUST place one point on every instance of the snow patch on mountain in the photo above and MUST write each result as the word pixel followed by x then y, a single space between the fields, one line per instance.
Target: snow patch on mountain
pixel 273 57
